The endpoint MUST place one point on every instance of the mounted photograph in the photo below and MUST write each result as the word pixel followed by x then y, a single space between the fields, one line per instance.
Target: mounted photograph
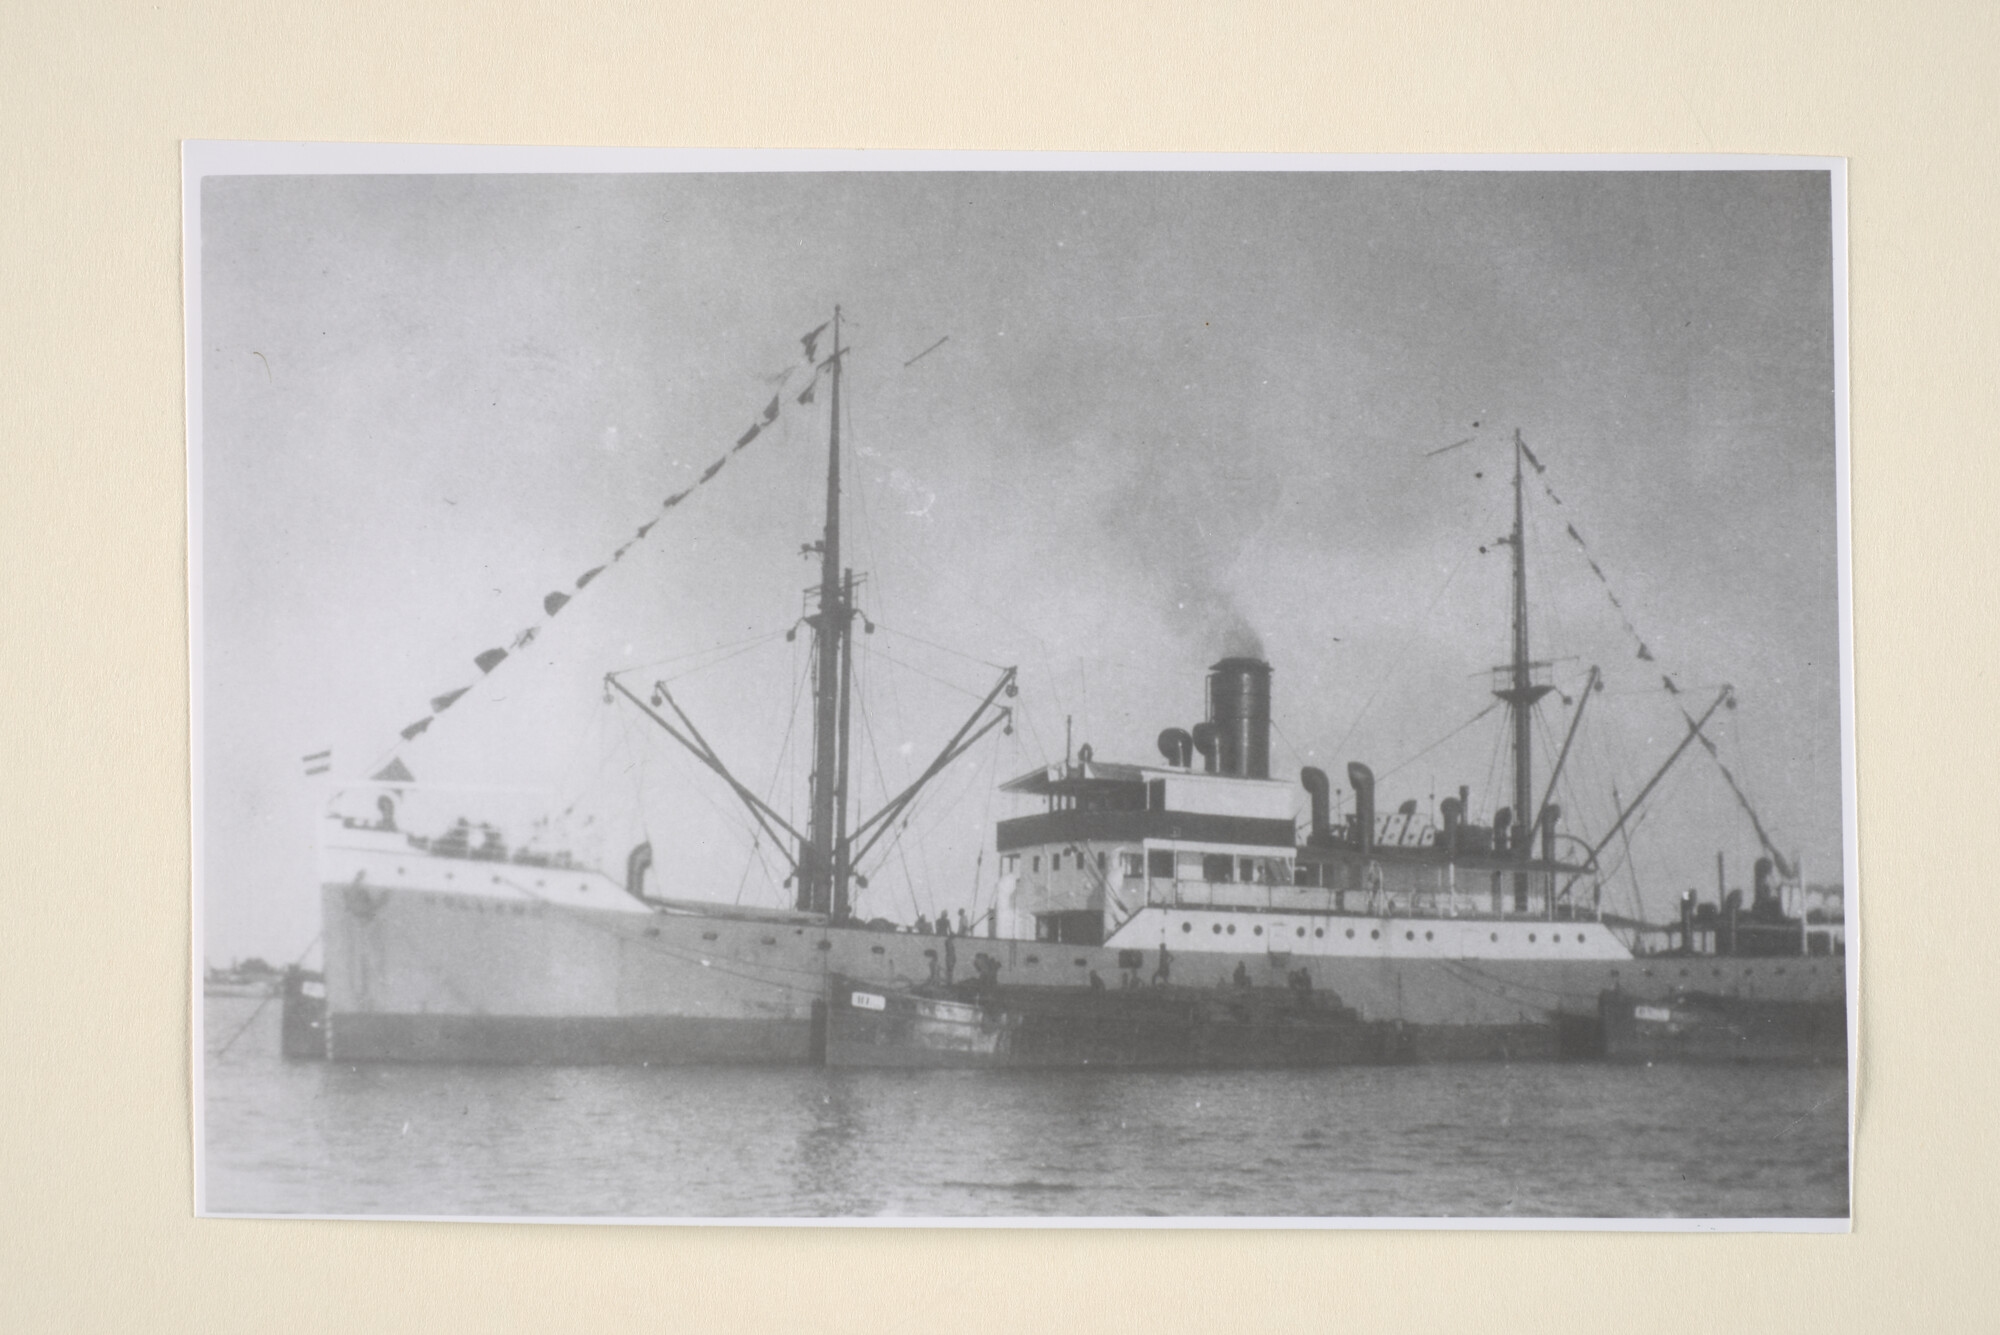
pixel 946 689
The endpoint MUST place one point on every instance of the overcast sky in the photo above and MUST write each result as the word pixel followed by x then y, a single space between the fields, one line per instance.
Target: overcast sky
pixel 1174 413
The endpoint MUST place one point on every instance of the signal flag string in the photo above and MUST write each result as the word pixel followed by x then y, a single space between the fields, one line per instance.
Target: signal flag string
pixel 395 771
pixel 1667 681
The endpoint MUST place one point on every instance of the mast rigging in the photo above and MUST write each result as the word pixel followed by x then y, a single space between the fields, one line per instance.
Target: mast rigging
pixel 823 868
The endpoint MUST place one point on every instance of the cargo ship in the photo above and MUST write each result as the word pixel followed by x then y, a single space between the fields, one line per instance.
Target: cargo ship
pixel 1164 896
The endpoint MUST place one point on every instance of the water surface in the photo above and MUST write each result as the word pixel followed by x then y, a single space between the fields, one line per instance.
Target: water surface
pixel 1532 1139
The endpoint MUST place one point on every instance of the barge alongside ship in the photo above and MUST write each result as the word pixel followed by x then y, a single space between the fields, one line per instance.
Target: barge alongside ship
pixel 1159 914
pixel 1157 1027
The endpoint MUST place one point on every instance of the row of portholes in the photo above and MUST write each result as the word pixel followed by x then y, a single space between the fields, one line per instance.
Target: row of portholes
pixel 479 906
pixel 1218 929
pixel 1743 971
pixel 497 881
pixel 1746 973
pixel 1374 934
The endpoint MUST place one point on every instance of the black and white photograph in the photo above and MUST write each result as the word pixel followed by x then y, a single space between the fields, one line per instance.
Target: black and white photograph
pixel 1020 689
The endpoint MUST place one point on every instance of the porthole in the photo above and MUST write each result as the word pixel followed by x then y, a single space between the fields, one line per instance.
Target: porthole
pixel 1232 929
pixel 1374 934
pixel 1350 934
pixel 1256 931
pixel 1409 936
pixel 1557 938
pixel 1321 931
pixel 1302 931
pixel 1531 936
pixel 1187 927
pixel 1216 928
pixel 1579 938
pixel 875 950
pixel 1493 936
pixel 1427 936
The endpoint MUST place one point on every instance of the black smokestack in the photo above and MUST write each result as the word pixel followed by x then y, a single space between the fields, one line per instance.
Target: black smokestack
pixel 1239 705
pixel 1314 781
pixel 1363 781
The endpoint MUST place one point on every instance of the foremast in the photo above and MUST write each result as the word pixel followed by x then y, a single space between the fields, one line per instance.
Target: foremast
pixel 833 845
pixel 824 864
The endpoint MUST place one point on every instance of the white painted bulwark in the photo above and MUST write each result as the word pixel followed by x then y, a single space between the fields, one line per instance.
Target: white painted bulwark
pixel 1216 795
pixel 1354 936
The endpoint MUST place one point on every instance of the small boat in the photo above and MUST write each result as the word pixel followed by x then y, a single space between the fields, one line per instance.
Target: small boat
pixel 302 1023
pixel 1709 1027
pixel 245 978
pixel 983 1024
pixel 868 1025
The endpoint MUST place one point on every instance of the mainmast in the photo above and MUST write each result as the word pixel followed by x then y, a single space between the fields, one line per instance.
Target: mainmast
pixel 1521 693
pixel 823 866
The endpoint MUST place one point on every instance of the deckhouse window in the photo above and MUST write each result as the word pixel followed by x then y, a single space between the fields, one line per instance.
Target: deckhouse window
pixel 1160 864
pixel 1132 864
pixel 1036 863
pixel 1218 867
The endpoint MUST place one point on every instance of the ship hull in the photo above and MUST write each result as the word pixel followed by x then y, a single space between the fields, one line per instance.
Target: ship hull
pixel 427 976
pixel 632 1040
